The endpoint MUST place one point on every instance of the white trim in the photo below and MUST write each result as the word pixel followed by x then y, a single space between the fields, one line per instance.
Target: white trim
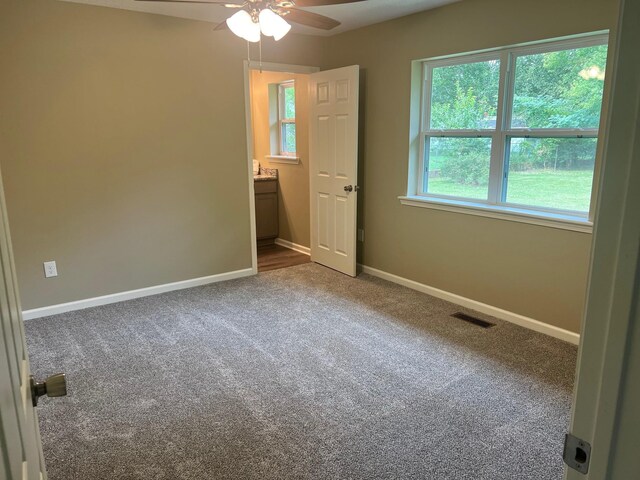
pixel 603 411
pixel 496 312
pixel 288 159
pixel 293 246
pixel 281 67
pixel 131 294
pixel 513 214
pixel 249 132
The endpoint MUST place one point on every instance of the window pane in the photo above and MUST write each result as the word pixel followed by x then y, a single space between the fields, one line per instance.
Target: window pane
pixel 465 96
pixel 289 137
pixel 551 172
pixel 458 167
pixel 289 102
pixel 559 89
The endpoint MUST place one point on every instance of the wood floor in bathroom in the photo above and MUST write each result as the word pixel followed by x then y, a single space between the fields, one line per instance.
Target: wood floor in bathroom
pixel 272 257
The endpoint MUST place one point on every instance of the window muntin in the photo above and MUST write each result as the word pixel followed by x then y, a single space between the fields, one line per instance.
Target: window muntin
pixel 536 110
pixel 287 118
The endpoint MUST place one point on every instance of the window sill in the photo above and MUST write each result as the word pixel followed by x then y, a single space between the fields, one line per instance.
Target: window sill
pixel 552 220
pixel 283 159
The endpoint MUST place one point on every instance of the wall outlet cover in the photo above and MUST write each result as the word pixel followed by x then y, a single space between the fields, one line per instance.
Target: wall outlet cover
pixel 50 269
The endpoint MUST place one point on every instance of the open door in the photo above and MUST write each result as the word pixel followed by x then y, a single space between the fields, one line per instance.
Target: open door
pixel 20 447
pixel 333 165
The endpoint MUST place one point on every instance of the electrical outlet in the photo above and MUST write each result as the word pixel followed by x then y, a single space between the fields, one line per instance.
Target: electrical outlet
pixel 361 234
pixel 50 269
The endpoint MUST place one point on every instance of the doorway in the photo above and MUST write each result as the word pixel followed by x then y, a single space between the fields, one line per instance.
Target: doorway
pixel 278 145
pixel 305 123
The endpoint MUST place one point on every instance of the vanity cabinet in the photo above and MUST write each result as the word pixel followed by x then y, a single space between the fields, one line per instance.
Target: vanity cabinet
pixel 266 200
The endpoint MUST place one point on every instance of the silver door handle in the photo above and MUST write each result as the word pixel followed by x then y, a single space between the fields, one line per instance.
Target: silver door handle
pixel 53 386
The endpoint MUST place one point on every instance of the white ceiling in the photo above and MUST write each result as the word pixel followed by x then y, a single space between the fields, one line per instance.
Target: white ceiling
pixel 353 15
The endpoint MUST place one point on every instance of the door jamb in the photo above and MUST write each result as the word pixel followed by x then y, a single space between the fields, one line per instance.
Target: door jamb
pixel 269 67
pixel 611 300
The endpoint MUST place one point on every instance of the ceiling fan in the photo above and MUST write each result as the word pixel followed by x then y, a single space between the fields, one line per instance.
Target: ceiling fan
pixel 267 17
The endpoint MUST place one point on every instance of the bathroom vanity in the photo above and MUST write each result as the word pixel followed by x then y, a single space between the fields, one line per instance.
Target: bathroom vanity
pixel 265 185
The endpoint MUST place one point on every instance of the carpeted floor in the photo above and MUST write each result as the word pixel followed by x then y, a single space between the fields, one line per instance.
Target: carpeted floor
pixel 299 373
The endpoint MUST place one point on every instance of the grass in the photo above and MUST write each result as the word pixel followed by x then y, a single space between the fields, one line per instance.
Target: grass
pixel 564 189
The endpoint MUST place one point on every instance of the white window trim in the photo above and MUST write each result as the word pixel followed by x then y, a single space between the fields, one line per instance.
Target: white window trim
pixel 492 207
pixel 283 120
pixel 511 212
pixel 286 159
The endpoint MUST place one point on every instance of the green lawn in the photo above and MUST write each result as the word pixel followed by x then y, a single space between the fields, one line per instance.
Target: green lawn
pixel 565 189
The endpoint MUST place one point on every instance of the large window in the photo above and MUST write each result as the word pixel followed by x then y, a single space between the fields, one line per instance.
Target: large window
pixel 287 118
pixel 514 128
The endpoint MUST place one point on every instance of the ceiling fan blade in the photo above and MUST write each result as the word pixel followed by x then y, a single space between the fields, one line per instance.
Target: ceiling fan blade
pixel 321 3
pixel 310 19
pixel 230 4
pixel 222 26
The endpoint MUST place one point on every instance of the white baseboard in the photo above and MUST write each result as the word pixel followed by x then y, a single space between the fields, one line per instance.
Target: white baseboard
pixel 521 320
pixel 515 318
pixel 131 294
pixel 293 246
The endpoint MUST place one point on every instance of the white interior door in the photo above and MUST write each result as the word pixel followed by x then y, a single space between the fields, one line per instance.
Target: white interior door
pixel 333 163
pixel 20 447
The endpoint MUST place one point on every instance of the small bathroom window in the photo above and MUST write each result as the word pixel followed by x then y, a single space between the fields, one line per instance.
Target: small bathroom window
pixel 287 119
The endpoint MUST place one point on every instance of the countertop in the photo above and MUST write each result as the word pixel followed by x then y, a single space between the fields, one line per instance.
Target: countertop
pixel 266 174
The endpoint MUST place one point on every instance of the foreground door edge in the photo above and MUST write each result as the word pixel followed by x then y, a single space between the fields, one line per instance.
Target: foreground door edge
pixel 20 446
pixel 606 396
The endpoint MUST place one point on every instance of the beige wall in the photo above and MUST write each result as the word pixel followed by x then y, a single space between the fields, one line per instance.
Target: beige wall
pixel 123 150
pixel 293 202
pixel 123 147
pixel 534 271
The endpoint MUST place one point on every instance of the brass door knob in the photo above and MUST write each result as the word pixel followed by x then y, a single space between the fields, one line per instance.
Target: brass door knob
pixel 348 188
pixel 53 386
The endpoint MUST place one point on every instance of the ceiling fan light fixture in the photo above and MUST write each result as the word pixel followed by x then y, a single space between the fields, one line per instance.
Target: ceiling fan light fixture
pixel 282 30
pixel 273 25
pixel 266 22
pixel 253 33
pixel 243 26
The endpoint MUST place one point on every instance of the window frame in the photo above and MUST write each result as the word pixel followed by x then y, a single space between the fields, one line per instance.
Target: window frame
pixel 500 135
pixel 282 120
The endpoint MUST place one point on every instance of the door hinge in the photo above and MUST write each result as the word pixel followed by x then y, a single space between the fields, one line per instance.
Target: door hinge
pixel 577 453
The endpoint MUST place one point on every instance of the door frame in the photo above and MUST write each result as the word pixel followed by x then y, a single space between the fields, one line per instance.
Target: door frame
pixel 21 456
pixel 268 67
pixel 612 303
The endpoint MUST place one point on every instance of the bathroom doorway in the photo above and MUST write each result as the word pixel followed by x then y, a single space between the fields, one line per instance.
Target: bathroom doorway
pixel 278 145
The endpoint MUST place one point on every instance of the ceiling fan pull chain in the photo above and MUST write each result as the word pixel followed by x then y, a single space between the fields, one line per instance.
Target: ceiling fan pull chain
pixel 248 53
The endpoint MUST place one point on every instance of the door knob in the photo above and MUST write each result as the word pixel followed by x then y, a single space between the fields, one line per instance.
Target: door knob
pixel 53 386
pixel 348 188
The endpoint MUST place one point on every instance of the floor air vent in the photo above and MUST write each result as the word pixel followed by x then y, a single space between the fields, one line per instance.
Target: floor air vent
pixel 474 320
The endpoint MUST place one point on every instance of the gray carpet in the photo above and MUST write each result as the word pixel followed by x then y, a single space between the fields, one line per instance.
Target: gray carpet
pixel 299 373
